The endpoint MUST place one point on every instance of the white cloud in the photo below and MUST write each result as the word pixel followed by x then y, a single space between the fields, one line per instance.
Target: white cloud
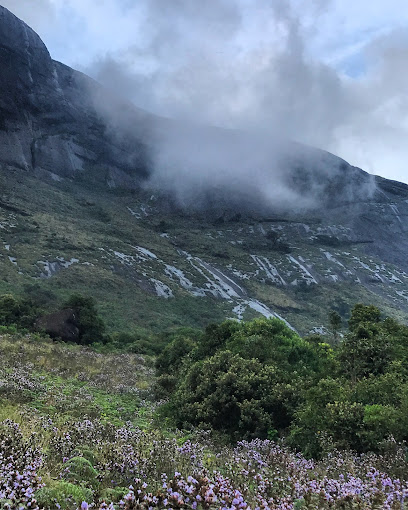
pixel 327 72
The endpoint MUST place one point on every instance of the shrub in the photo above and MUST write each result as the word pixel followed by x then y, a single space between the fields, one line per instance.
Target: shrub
pixel 235 396
pixel 80 470
pixel 63 495
pixel 171 357
pixel 214 338
pixel 17 311
pixel 114 495
pixel 271 341
pixel 91 326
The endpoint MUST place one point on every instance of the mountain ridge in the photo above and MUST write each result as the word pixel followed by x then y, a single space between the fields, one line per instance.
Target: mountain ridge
pixel 168 224
pixel 69 121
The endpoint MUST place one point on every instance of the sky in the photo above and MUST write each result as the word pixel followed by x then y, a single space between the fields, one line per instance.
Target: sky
pixel 330 73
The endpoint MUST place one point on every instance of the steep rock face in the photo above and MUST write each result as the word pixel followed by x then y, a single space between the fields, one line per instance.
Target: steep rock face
pixel 48 122
pixel 27 69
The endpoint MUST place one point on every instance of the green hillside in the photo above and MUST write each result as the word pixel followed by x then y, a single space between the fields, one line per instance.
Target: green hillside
pixel 151 269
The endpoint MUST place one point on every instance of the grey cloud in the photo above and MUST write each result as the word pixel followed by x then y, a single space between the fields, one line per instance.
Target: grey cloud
pixel 190 68
pixel 194 64
pixel 246 64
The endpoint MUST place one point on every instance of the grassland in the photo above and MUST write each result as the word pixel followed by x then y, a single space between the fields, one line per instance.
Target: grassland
pixel 59 238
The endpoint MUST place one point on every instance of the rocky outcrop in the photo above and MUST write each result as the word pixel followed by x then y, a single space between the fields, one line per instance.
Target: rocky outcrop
pixel 63 324
pixel 48 120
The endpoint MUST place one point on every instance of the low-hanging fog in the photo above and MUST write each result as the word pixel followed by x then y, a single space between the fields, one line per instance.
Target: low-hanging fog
pixel 276 69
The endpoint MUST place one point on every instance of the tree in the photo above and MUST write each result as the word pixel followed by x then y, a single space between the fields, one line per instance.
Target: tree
pixel 91 326
pixel 361 314
pixel 364 355
pixel 238 397
pixel 335 323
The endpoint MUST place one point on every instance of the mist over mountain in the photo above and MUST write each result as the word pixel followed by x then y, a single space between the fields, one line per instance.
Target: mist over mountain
pixel 177 217
pixel 66 123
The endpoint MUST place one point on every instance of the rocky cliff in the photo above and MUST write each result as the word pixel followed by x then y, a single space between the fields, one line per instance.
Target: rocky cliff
pixel 48 121
pixel 59 123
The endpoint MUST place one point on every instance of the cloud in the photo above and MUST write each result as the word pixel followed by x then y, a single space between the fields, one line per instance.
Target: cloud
pixel 251 66
pixel 325 72
pixel 377 119
pixel 234 67
pixel 38 15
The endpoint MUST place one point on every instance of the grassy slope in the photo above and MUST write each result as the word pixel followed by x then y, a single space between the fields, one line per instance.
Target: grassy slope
pixel 61 381
pixel 83 221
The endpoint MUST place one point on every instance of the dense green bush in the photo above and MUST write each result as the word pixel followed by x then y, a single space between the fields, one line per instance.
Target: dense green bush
pixel 272 342
pixel 366 401
pixel 63 495
pixel 17 311
pixel 251 378
pixel 80 470
pixel 91 326
pixel 241 379
pixel 214 338
pixel 170 358
pixel 235 396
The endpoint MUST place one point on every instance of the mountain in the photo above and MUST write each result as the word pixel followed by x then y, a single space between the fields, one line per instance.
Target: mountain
pixel 170 224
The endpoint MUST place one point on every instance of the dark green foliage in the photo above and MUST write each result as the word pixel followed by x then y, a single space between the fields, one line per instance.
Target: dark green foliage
pixel 171 356
pixel 39 295
pixel 163 226
pixel 91 326
pixel 79 470
pixel 215 337
pixel 63 495
pixel 335 323
pixel 361 356
pixel 261 379
pixel 170 362
pixel 135 342
pixel 100 214
pixel 176 345
pixel 241 379
pixel 272 342
pixel 332 241
pixel 363 314
pixel 17 311
pixel 235 396
pixel 253 378
pixel 365 403
pixel 367 348
pixel 275 242
pixel 114 494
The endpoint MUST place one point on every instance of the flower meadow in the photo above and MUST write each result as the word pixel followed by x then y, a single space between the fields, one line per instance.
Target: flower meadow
pixel 87 464
pixel 81 430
